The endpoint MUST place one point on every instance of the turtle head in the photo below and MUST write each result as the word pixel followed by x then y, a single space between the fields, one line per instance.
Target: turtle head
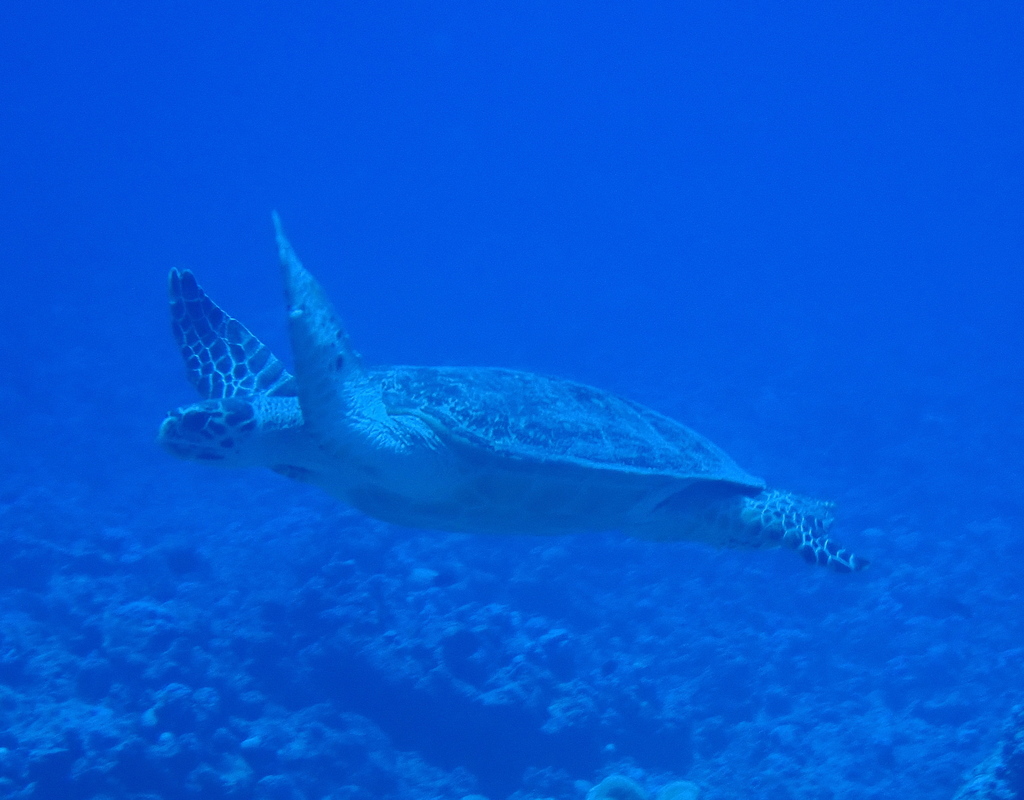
pixel 220 431
pixel 254 431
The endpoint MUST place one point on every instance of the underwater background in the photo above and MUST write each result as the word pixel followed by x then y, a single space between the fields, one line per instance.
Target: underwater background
pixel 795 226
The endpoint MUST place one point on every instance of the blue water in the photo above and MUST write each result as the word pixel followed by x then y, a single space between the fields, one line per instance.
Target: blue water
pixel 796 227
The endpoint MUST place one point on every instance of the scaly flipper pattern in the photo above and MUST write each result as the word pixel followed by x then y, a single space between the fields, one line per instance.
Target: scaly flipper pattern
pixel 800 523
pixel 222 358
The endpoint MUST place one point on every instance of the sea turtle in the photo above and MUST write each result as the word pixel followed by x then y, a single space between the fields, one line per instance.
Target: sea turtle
pixel 463 449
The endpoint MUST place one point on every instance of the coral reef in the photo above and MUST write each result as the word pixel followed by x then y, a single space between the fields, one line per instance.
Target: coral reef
pixel 622 787
pixel 172 633
pixel 1001 775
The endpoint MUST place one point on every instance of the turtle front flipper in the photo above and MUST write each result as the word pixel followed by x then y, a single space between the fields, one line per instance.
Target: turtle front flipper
pixel 328 371
pixel 222 357
pixel 801 523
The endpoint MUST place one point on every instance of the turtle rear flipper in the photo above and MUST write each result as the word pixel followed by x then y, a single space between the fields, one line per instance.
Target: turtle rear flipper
pixel 222 358
pixel 801 523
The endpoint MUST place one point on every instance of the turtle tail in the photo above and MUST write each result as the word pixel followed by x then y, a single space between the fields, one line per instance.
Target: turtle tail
pixel 801 523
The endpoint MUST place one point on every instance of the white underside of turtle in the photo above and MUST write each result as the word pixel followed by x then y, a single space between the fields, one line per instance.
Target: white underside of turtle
pixel 478 450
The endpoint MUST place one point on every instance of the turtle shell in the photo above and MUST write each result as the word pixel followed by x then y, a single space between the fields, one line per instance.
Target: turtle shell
pixel 519 415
